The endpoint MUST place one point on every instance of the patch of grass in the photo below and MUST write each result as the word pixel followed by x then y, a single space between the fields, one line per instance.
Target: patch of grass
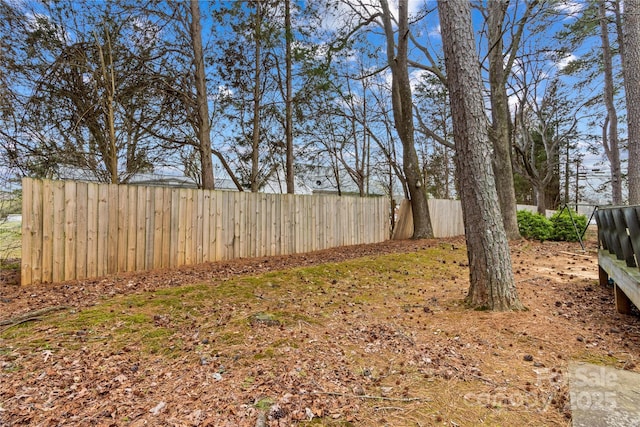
pixel 10 242
pixel 264 404
pixel 597 359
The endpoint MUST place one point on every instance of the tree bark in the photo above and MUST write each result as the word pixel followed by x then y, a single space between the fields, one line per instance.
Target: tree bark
pixel 204 127
pixel 610 127
pixel 501 121
pixel 630 67
pixel 289 98
pixel 255 136
pixel 403 116
pixel 492 284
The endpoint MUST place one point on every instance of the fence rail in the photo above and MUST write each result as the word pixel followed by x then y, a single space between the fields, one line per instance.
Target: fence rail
pixel 619 253
pixel 76 230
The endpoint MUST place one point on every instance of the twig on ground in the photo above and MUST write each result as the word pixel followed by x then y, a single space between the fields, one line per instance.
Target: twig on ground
pixel 366 396
pixel 30 316
pixel 388 408
pixel 580 255
pixel 35 313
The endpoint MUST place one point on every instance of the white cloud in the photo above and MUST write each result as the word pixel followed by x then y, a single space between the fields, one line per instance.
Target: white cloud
pixel 435 31
pixel 562 63
pixel 39 21
pixel 417 77
pixel 224 92
pixel 570 8
pixel 339 16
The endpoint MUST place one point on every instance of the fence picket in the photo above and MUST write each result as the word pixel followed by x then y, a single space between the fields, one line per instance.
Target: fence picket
pixel 47 232
pixel 103 230
pixel 70 231
pixel 81 230
pixel 132 227
pixel 112 229
pixel 92 230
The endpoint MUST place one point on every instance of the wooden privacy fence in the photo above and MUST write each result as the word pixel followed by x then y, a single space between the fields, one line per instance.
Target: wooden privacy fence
pixel 446 219
pixel 76 230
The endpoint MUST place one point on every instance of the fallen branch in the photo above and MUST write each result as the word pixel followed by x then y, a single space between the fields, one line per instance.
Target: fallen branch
pixel 388 408
pixel 30 316
pixel 366 396
pixel 580 255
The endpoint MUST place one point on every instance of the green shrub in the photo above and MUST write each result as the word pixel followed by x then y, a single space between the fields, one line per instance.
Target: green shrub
pixel 534 226
pixel 563 228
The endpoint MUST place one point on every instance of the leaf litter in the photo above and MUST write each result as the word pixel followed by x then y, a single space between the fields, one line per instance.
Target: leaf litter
pixel 365 335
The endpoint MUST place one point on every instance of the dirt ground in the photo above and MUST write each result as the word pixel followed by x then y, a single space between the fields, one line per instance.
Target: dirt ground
pixel 419 357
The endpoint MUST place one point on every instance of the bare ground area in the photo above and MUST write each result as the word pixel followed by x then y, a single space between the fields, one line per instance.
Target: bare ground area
pixel 365 335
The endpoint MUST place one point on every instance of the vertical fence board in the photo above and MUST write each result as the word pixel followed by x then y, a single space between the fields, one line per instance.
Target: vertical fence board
pixel 158 208
pixel 81 230
pixel 141 224
pixel 58 232
pixel 123 225
pixel 182 226
pixel 47 231
pixel 69 230
pixel 214 238
pixel 103 229
pixel 206 226
pixel 132 223
pixel 149 226
pixel 274 223
pixel 250 225
pixel 264 225
pixel 220 237
pixel 199 224
pixel 175 228
pixel 285 224
pixel 188 227
pixel 166 227
pixel 92 230
pixel 235 215
pixel 112 231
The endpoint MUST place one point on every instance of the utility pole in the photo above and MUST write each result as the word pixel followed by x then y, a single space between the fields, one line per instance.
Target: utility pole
pixel 577 182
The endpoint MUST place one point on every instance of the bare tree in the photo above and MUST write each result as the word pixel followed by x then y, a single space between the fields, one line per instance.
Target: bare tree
pixel 492 283
pixel 203 125
pixel 501 61
pixel 610 126
pixel 398 61
pixel 288 128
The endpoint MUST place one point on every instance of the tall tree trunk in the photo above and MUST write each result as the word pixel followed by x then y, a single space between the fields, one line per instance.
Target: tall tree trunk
pixel 492 283
pixel 501 120
pixel 109 78
pixel 204 127
pixel 610 127
pixel 403 116
pixel 541 198
pixel 255 137
pixel 630 67
pixel 289 96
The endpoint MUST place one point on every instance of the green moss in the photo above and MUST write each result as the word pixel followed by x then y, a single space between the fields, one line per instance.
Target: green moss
pixel 264 404
pixel 267 353
pixel 598 359
pixel 247 382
